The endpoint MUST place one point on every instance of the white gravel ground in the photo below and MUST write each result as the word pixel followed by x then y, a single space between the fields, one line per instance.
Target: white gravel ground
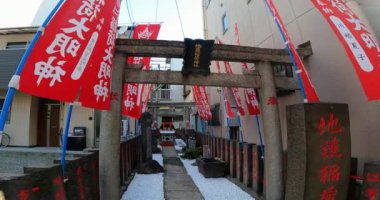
pixel 146 187
pixel 214 188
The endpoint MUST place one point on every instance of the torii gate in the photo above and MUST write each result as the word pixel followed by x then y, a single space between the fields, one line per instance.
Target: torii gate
pixel 109 154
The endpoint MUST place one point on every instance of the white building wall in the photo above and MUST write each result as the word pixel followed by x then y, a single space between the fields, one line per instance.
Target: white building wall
pixel 83 117
pixel 19 124
pixel 329 68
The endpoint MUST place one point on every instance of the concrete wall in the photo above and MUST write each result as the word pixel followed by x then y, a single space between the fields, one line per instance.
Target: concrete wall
pixel 329 68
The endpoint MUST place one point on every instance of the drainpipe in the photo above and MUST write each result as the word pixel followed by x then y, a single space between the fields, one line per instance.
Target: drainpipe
pixel 205 32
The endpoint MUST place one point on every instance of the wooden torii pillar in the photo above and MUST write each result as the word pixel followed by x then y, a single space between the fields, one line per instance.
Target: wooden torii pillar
pixel 109 168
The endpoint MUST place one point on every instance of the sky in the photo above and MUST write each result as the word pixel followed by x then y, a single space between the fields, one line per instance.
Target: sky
pixel 21 13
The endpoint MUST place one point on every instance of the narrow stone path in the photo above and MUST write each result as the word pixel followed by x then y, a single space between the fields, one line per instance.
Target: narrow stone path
pixel 177 183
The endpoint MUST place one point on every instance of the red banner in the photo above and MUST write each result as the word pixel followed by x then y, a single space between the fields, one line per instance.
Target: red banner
pixel 252 102
pixel 235 91
pixel 311 94
pixel 75 54
pixel 227 104
pixel 147 97
pixel 229 112
pixel 133 103
pixel 201 101
pixel 250 93
pixel 360 45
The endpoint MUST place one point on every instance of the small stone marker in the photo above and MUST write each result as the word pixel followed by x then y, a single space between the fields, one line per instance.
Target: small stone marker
pixel 371 185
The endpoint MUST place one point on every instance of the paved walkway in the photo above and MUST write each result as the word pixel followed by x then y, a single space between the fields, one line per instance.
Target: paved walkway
pixel 177 183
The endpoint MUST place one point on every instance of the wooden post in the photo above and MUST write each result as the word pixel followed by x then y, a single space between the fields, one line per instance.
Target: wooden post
pixel 227 151
pixel 272 133
pixel 109 144
pixel 233 159
pixel 222 149
pixel 247 169
pixel 239 162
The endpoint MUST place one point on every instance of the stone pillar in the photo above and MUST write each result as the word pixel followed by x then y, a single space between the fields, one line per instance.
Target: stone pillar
pixel 247 168
pixel 371 185
pixel 109 144
pixel 272 133
pixel 318 151
pixel 146 136
pixel 232 159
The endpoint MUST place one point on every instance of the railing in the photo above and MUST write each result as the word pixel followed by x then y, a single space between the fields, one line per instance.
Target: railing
pixel 161 94
pixel 130 156
pixel 243 162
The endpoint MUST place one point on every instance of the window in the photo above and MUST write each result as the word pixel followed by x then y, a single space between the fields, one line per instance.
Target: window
pixel 17 45
pixel 162 93
pixel 283 70
pixel 1 107
pixel 225 23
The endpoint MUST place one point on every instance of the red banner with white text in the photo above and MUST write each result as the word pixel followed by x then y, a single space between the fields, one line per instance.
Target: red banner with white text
pixel 249 93
pixel 311 94
pixel 360 45
pixel 75 54
pixel 235 91
pixel 133 103
pixel 227 104
pixel 201 102
pixel 229 111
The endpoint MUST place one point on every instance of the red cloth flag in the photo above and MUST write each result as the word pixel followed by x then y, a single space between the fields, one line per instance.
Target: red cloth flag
pixel 229 112
pixel 252 102
pixel 227 104
pixel 75 54
pixel 360 45
pixel 201 101
pixel 235 90
pixel 250 93
pixel 133 103
pixel 311 94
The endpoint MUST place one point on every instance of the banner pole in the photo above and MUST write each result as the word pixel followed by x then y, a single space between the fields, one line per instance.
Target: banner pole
pixel 240 132
pixel 65 135
pixel 11 88
pixel 225 112
pixel 260 136
pixel 290 52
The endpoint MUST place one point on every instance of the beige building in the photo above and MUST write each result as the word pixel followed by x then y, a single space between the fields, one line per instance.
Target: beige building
pixel 34 121
pixel 329 67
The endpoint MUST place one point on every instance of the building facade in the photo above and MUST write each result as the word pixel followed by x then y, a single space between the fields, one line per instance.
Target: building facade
pixel 35 121
pixel 329 67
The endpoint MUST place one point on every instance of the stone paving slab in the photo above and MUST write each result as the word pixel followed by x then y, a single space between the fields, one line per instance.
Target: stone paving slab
pixel 177 183
pixel 168 152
